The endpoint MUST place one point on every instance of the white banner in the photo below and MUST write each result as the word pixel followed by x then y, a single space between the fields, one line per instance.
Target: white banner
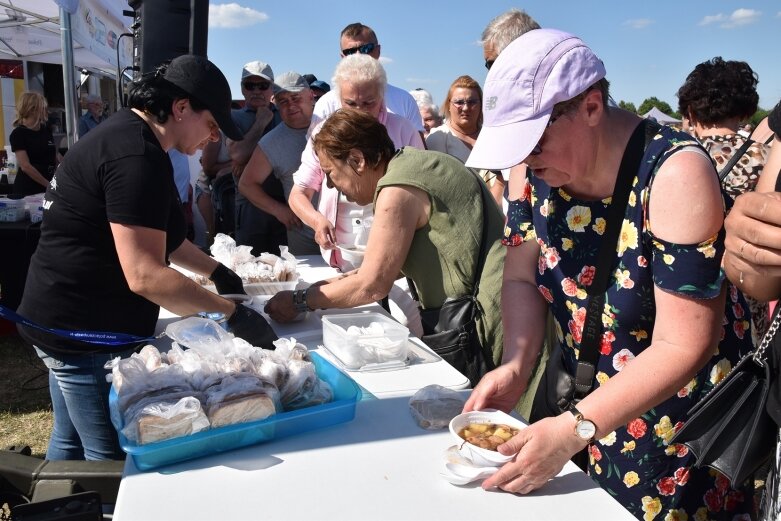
pixel 97 26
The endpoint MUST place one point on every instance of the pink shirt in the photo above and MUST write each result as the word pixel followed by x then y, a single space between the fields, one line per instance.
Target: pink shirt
pixel 309 174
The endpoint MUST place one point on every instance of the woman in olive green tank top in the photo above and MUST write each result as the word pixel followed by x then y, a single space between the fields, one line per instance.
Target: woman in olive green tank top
pixel 428 226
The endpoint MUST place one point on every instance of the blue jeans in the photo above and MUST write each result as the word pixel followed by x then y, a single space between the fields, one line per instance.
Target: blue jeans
pixel 79 392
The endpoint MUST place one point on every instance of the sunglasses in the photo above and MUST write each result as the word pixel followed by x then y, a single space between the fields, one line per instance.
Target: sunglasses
pixel 537 150
pixel 260 85
pixel 489 64
pixel 471 102
pixel 363 49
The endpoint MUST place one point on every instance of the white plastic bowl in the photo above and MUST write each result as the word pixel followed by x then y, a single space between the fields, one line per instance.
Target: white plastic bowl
pixel 479 456
pixel 352 254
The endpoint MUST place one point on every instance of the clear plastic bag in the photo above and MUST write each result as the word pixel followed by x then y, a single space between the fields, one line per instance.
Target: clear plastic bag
pixel 289 349
pixel 434 406
pixel 203 335
pixel 164 419
pixel 241 398
pixel 270 367
pixel 132 377
pixel 303 388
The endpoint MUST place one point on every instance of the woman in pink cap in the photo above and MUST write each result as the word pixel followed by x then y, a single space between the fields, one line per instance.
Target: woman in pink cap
pixel 671 326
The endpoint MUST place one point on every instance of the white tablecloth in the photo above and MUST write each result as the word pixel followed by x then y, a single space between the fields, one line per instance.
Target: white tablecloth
pixel 309 332
pixel 381 465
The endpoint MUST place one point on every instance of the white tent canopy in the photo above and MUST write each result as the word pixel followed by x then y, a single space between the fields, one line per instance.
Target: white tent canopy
pixel 30 30
pixel 660 117
pixel 89 36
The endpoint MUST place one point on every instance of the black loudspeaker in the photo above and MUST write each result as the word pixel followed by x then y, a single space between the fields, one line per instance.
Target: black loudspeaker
pixel 165 29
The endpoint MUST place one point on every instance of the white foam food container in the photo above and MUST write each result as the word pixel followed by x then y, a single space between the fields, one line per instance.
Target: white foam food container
pixel 352 254
pixel 477 455
pixel 364 347
pixel 11 210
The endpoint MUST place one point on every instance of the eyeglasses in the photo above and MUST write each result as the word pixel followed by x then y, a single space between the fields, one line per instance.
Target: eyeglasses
pixel 538 148
pixel 471 102
pixel 260 85
pixel 489 64
pixel 363 49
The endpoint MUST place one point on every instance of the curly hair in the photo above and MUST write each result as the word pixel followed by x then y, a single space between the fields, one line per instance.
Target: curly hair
pixel 718 90
pixel 154 95
pixel 348 129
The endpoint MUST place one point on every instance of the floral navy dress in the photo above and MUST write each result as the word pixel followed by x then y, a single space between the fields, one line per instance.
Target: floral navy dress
pixel 636 463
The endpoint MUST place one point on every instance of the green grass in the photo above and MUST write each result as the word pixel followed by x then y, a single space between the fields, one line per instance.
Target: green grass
pixel 25 406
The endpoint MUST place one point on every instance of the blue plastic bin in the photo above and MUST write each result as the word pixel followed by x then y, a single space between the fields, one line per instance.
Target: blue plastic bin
pixel 211 441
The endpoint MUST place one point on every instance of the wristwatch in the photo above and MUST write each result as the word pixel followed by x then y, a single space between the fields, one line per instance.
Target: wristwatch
pixel 584 429
pixel 299 300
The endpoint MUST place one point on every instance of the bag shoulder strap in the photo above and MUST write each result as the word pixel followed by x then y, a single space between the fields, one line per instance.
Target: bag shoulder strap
pixel 737 155
pixel 734 159
pixel 589 345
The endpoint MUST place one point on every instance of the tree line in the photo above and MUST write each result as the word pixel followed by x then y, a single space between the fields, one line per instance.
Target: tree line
pixel 665 107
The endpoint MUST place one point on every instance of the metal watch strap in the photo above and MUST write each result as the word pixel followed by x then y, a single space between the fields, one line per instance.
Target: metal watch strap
pixel 299 300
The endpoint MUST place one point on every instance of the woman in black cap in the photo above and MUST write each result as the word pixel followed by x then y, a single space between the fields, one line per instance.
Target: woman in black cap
pixel 112 222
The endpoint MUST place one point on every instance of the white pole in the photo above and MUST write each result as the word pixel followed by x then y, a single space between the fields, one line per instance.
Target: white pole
pixel 68 77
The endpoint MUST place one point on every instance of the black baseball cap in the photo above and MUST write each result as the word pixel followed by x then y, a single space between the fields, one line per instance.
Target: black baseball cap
pixel 202 80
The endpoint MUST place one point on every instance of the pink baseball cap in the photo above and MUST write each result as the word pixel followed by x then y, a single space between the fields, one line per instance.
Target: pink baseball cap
pixel 533 73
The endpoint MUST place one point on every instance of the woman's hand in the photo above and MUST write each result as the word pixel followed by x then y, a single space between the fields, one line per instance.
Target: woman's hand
pixel 541 449
pixel 754 233
pixel 325 233
pixel 752 258
pixel 499 389
pixel 280 307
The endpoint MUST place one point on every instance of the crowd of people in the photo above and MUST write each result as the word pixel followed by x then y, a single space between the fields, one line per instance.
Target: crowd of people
pixel 507 201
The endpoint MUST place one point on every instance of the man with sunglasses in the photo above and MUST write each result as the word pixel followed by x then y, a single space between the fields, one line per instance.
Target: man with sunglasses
pixel 268 177
pixel 359 38
pixel 257 117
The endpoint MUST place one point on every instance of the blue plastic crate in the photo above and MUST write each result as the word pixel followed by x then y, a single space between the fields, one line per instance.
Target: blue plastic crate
pixel 340 410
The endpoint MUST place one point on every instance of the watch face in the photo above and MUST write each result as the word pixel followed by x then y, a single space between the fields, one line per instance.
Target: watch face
pixel 586 429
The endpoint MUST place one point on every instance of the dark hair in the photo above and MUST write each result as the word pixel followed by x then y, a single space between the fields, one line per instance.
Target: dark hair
pixel 774 120
pixel 717 90
pixel 153 94
pixel 346 129
pixel 356 30
pixel 602 85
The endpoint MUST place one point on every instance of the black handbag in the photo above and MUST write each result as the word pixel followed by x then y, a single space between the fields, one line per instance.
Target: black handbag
pixel 729 429
pixel 559 390
pixel 450 330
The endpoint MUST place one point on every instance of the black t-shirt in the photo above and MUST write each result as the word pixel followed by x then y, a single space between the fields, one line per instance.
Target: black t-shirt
pixel 118 173
pixel 39 146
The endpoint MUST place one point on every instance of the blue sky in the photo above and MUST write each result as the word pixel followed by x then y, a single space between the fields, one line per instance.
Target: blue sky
pixel 648 47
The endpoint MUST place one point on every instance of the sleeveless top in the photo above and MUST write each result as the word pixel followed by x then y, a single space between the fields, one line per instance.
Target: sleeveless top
pixel 443 255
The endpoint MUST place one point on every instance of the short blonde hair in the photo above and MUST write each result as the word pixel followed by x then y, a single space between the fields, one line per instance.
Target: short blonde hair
pixel 29 105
